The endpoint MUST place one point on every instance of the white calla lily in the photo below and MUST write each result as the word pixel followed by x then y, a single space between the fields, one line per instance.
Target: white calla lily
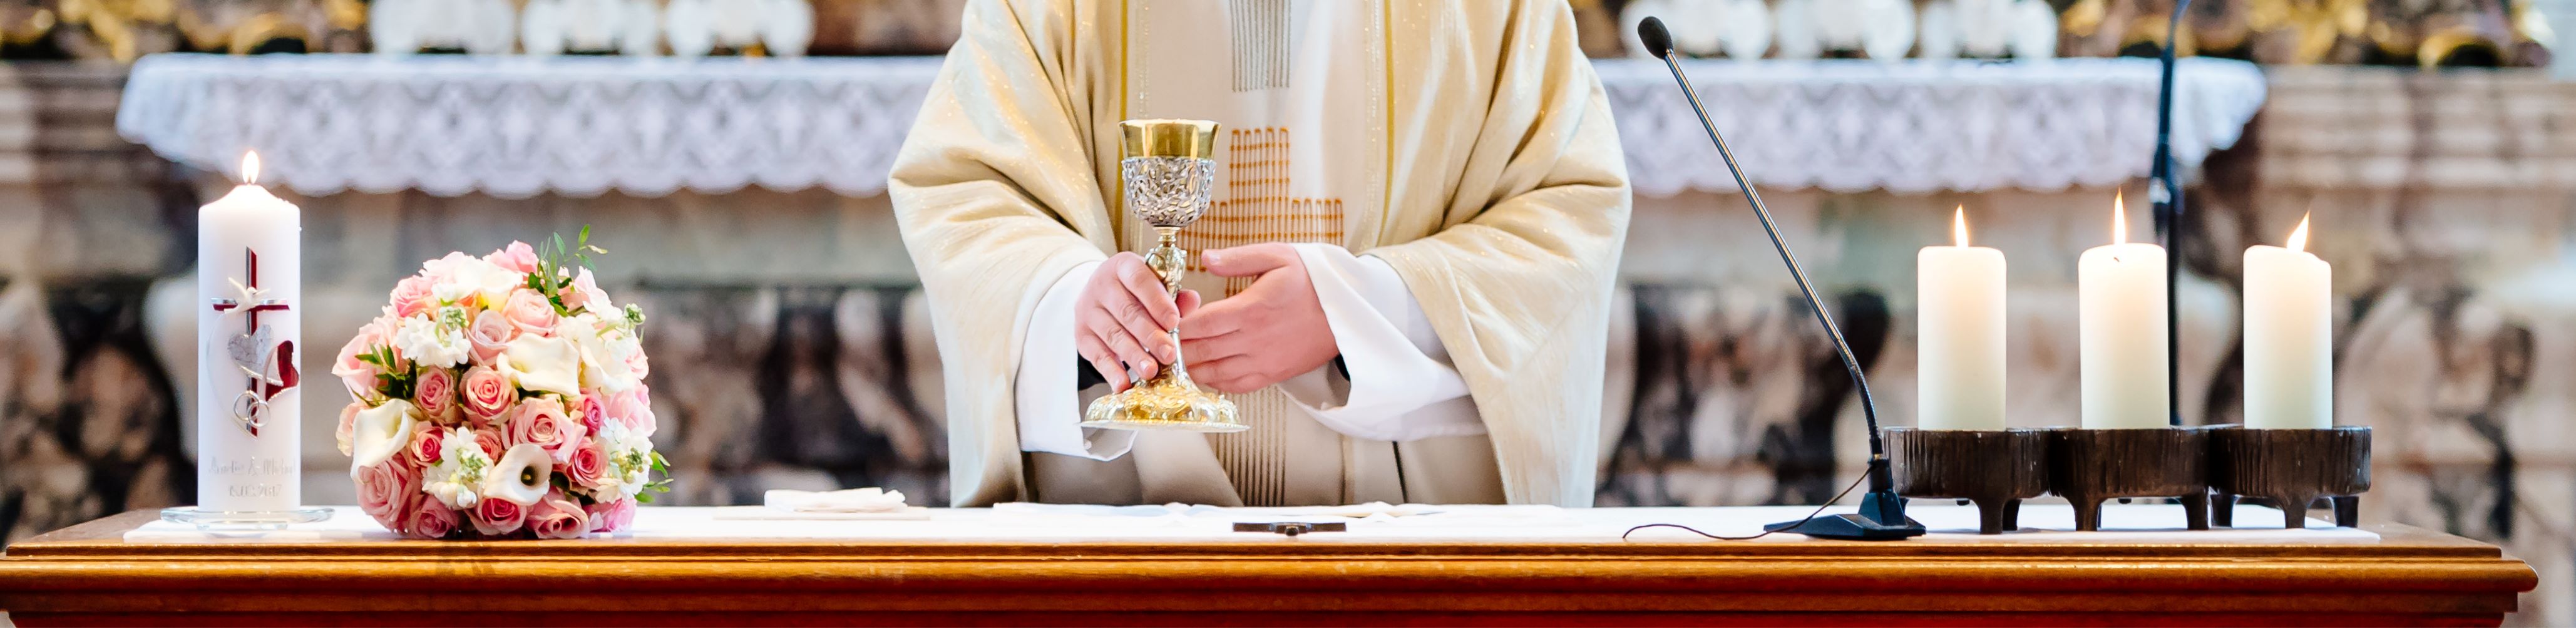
pixel 379 433
pixel 543 364
pixel 522 475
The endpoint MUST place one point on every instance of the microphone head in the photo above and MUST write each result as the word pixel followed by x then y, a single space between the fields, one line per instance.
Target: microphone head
pixel 1657 40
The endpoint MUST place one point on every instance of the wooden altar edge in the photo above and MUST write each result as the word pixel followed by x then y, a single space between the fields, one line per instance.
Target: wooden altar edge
pixel 104 539
pixel 80 575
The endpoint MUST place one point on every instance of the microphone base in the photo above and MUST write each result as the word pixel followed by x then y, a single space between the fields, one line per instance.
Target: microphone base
pixel 1881 518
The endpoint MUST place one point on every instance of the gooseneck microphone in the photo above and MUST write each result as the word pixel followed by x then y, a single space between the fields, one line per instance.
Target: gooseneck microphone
pixel 1882 511
pixel 2164 193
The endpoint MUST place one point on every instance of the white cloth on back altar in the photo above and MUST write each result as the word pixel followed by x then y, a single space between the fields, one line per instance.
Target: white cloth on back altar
pixel 2049 523
pixel 451 125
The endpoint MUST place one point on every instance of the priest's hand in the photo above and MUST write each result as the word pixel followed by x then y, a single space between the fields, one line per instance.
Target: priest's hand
pixel 1122 322
pixel 1272 331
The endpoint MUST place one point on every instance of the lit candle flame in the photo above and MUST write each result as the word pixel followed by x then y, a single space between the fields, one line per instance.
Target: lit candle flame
pixel 2119 219
pixel 1959 225
pixel 2299 236
pixel 250 168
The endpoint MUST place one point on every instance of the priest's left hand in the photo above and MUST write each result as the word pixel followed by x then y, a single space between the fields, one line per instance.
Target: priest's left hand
pixel 1272 331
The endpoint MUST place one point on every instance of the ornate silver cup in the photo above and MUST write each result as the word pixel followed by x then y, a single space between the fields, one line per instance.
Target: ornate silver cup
pixel 1168 168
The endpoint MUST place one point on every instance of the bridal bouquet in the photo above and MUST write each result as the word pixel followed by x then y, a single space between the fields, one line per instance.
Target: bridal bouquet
pixel 500 396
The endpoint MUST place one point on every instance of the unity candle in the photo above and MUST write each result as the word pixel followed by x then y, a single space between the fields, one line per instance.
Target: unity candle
pixel 2121 319
pixel 248 320
pixel 1959 312
pixel 2289 352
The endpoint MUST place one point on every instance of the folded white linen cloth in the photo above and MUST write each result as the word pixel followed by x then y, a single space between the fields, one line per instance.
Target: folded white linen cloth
pixel 855 500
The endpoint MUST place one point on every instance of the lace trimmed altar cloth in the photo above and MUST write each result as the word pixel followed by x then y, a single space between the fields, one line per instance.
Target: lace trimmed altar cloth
pixel 584 126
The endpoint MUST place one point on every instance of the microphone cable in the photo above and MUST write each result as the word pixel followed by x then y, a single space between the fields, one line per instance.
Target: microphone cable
pixel 1811 516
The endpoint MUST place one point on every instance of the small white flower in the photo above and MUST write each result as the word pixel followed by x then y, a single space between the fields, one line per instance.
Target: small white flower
pixel 460 469
pixel 521 476
pixel 430 344
pixel 543 364
pixel 380 433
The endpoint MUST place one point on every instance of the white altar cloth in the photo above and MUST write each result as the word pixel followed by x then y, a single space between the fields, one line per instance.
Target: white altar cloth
pixel 581 126
pixel 2050 523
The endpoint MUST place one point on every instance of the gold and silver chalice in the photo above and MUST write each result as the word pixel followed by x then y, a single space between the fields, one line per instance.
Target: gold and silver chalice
pixel 1168 169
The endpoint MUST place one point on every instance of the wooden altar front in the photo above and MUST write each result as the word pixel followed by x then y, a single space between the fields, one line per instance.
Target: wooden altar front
pixel 92 574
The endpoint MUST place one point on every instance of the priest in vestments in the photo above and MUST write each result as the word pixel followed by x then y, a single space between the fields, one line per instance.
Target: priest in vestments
pixel 1407 268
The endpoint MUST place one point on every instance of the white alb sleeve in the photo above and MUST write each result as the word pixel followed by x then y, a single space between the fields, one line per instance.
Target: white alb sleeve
pixel 1048 406
pixel 1402 386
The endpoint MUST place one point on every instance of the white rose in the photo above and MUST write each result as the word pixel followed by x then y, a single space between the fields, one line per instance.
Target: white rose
pixel 380 432
pixel 602 364
pixel 543 364
pixel 521 476
pixel 468 276
pixel 430 344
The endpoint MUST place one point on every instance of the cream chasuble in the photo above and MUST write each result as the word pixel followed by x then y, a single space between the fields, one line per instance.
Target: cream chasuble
pixel 1480 123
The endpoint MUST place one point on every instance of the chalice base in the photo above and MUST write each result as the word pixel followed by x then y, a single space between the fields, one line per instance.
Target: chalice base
pixel 1163 403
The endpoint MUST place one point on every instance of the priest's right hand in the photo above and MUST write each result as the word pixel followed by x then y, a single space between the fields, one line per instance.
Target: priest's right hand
pixel 1123 322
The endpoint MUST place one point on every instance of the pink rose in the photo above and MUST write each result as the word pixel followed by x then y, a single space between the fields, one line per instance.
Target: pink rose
pixel 426 443
pixel 541 421
pixel 358 375
pixel 384 488
pixel 612 516
pixel 487 394
pixel 531 312
pixel 489 333
pixel 443 269
pixel 586 294
pixel 591 411
pixel 349 425
pixel 587 465
pixel 496 517
pixel 518 257
pixel 434 392
pixel 556 517
pixel 411 296
pixel 638 365
pixel 634 409
pixel 491 442
pixel 430 519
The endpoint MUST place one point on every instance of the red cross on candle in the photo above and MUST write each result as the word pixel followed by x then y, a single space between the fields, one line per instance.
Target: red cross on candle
pixel 263 386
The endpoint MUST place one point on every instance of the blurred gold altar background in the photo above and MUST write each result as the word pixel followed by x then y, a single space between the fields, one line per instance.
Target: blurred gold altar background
pixel 792 350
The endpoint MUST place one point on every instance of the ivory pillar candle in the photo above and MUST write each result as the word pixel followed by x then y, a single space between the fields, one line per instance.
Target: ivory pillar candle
pixel 248 324
pixel 2121 321
pixel 2289 337
pixel 1959 311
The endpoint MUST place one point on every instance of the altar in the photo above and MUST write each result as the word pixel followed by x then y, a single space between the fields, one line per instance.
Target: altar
pixel 1046 564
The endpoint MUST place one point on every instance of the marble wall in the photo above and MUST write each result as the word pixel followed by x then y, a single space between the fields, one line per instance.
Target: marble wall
pixel 792 350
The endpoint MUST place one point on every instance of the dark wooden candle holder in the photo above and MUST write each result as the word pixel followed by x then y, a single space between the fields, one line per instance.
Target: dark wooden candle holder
pixel 2291 468
pixel 2088 466
pixel 1994 469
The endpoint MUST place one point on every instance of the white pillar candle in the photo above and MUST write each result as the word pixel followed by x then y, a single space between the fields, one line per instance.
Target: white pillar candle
pixel 2289 350
pixel 1959 315
pixel 2121 297
pixel 249 319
